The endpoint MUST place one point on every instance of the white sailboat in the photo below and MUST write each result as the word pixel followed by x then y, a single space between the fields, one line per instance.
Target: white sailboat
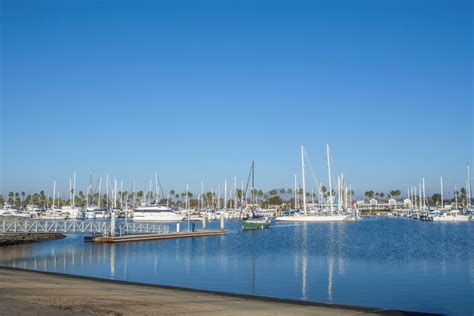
pixel 320 217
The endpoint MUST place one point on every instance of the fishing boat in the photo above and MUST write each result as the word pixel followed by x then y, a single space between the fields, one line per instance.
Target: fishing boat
pixel 254 221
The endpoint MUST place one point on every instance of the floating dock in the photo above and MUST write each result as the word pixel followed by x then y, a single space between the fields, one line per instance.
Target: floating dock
pixel 146 237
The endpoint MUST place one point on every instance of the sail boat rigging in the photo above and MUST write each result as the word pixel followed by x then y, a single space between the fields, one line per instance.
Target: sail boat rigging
pixel 254 221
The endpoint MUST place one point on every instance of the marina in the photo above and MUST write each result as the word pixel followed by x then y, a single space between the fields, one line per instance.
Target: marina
pixel 236 157
pixel 384 262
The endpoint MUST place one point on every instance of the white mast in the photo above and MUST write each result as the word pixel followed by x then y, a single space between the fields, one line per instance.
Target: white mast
pixel 329 175
pixel 99 189
pixel 218 196
pixel 54 193
pixel 296 197
pixel 424 194
pixel 345 197
pixel 456 196
pixel 320 195
pixel 469 197
pixel 420 197
pixel 107 190
pixel 133 194
pixel 115 193
pixel 121 194
pixel 202 195
pixel 235 192
pixel 338 193
pixel 150 194
pixel 70 191
pixel 350 196
pixel 156 188
pixel 242 195
pixel 74 189
pixel 442 205
pixel 225 194
pixel 302 178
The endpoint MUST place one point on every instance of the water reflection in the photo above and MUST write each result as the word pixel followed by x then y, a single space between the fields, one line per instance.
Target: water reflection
pixel 393 262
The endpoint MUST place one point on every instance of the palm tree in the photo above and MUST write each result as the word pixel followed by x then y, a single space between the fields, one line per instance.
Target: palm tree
pixel 10 198
pixel 324 190
pixel 369 194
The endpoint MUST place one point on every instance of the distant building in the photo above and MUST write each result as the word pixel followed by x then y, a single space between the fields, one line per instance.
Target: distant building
pixel 392 202
pixel 373 202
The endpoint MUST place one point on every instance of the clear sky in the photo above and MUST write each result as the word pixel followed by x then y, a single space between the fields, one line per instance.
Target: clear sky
pixel 196 90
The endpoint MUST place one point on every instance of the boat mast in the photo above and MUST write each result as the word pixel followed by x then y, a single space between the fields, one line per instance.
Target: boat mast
pixel 424 194
pixel 469 197
pixel 156 188
pixel 70 191
pixel 99 189
pixel 149 195
pixel 456 196
pixel 225 194
pixel 295 188
pixel 121 194
pixel 107 189
pixel 242 195
pixel 302 179
pixel 235 193
pixel 253 182
pixel 329 175
pixel 442 205
pixel 74 189
pixel 54 193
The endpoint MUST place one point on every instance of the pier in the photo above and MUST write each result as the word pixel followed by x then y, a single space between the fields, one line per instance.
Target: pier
pixel 105 231
pixel 146 237
pixel 79 227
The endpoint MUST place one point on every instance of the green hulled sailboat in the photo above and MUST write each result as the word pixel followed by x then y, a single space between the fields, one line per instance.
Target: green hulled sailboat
pixel 254 222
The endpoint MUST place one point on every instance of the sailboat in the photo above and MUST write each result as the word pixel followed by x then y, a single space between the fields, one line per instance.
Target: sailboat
pixel 254 221
pixel 327 217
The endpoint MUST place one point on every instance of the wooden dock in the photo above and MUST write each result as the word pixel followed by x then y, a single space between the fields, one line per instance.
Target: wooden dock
pixel 146 237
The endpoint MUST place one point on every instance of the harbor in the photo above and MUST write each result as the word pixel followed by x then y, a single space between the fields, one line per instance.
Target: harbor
pixel 236 157
pixel 367 263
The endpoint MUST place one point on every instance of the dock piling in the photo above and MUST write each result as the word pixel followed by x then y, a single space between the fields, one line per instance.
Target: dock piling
pixel 204 222
pixel 178 227
pixel 112 225
pixel 222 221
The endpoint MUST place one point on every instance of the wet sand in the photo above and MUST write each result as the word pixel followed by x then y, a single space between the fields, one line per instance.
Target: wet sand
pixel 25 292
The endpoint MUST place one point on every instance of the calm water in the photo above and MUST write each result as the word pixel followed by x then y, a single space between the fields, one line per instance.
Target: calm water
pixel 379 262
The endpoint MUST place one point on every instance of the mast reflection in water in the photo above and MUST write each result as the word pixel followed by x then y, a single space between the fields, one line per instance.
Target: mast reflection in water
pixel 381 262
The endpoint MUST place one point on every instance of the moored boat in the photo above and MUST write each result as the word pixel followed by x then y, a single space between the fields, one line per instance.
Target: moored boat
pixel 160 213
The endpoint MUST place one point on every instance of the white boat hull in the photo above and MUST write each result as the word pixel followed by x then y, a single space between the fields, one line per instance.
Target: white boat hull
pixel 312 218
pixel 156 217
pixel 458 218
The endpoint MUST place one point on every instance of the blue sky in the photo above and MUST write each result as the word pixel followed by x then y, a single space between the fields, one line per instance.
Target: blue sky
pixel 197 89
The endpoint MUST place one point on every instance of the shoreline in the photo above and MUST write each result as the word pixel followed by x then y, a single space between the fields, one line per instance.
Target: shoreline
pixel 26 291
pixel 10 239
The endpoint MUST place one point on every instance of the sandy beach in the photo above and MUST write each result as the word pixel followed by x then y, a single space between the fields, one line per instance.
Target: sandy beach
pixel 36 293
